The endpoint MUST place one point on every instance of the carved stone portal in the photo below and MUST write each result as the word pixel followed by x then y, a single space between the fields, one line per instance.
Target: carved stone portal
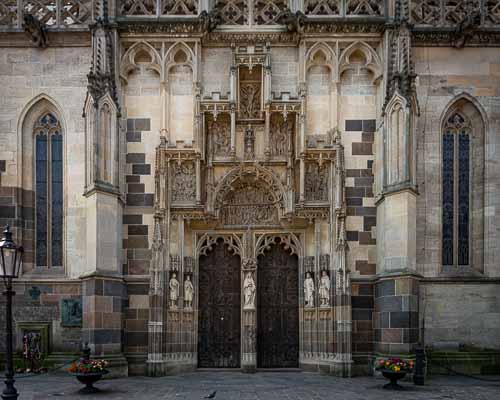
pixel 249 204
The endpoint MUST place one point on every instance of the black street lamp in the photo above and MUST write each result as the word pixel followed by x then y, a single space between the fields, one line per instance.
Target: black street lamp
pixel 10 264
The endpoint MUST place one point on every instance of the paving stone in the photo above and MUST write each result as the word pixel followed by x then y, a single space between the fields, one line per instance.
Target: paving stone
pixel 259 386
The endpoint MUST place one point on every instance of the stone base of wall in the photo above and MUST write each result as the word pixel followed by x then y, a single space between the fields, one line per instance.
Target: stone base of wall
pixel 464 362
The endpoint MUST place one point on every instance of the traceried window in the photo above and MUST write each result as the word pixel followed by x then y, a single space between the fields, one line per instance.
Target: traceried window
pixel 49 191
pixel 456 184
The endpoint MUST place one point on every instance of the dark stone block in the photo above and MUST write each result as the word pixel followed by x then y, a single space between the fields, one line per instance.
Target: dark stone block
pixel 365 289
pixel 130 124
pixel 8 212
pixel 384 319
pixel 93 287
pixel 28 213
pixel 352 173
pixel 355 192
pixel 365 172
pixel 136 188
pixel 362 149
pixel 132 219
pixel 138 288
pixel 117 304
pixel 351 211
pixel 352 236
pixel 141 230
pixel 141 169
pixel 138 267
pixel 368 223
pixel 134 137
pixel 140 199
pixel 366 211
pixel 361 314
pixel 363 181
pixel 136 242
pixel 107 336
pixel 368 137
pixel 2 166
pixel 136 158
pixel 354 201
pixel 136 338
pixel 388 304
pixel 400 319
pixel 353 125
pixel 6 201
pixel 369 125
pixel 369 164
pixel 142 124
pixel 133 178
pixel 385 288
pixel 142 254
pixel 114 288
pixel 365 238
pixel 362 302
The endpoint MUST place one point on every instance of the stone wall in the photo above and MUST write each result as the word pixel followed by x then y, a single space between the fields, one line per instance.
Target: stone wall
pixel 31 78
pixel 460 313
pixel 473 76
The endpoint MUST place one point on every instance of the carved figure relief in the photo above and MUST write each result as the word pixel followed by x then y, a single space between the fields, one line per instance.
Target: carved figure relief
pixel 184 182
pixel 249 100
pixel 249 204
pixel 324 289
pixel 279 136
pixel 221 137
pixel 316 182
pixel 174 290
pixel 249 143
pixel 249 292
pixel 188 292
pixel 309 291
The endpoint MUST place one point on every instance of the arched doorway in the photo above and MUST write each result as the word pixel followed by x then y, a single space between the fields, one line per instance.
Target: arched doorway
pixel 277 309
pixel 219 308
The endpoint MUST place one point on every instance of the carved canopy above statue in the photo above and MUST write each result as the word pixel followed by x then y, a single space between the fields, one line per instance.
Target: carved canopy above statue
pixel 249 195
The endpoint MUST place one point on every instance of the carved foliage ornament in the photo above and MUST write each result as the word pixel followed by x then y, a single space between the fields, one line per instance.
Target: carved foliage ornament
pixel 289 241
pixel 208 241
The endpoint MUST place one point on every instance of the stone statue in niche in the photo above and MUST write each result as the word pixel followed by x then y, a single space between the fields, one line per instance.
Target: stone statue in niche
pixel 221 138
pixel 32 352
pixel 324 289
pixel 316 182
pixel 249 292
pixel 280 131
pixel 188 292
pixel 309 291
pixel 249 143
pixel 174 290
pixel 184 182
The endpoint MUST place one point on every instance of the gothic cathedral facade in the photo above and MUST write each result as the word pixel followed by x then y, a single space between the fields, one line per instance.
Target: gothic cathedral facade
pixel 253 183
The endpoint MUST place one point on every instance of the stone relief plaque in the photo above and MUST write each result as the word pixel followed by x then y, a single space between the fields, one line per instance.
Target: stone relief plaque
pixel 71 312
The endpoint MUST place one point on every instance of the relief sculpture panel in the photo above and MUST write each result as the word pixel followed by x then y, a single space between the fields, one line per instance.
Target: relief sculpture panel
pixel 184 182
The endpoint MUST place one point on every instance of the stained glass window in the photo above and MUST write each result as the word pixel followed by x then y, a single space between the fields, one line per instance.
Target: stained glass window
pixel 456 172
pixel 49 191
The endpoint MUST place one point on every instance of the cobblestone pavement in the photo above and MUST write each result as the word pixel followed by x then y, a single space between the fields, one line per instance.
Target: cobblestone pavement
pixel 259 386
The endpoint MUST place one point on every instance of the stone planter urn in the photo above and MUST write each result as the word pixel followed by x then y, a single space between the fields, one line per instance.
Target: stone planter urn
pixel 88 380
pixel 393 377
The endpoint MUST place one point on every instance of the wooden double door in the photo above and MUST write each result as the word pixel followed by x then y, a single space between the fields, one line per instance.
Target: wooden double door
pixel 219 326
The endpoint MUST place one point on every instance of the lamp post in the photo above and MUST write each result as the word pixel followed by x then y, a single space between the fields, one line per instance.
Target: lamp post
pixel 10 264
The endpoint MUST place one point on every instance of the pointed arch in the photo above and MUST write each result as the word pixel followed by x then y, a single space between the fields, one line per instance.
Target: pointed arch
pixel 129 59
pixel 371 59
pixel 173 52
pixel 463 127
pixel 41 166
pixel 330 59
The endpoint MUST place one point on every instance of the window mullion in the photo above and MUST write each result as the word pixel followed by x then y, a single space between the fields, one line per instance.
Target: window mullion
pixel 49 199
pixel 455 198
